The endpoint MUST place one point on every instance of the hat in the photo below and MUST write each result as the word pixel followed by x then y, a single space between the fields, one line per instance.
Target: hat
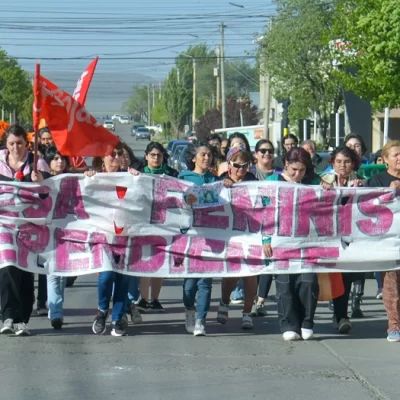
pixel 234 150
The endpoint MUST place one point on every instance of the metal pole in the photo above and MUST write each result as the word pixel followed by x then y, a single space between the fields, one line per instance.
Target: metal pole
pixel 159 93
pixel 148 106
pixel 2 113
pixel 154 97
pixel 222 52
pixel 305 133
pixel 337 129
pixel 217 102
pixel 194 94
pixel 315 126
pixel 386 125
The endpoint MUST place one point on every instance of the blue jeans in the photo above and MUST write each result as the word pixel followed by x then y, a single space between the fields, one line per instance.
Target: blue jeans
pixel 105 289
pixel 55 296
pixel 238 293
pixel 378 278
pixel 190 287
pixel 133 289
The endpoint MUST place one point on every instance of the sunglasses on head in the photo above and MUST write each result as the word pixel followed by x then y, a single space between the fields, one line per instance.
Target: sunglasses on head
pixel 239 166
pixel 264 151
pixel 116 153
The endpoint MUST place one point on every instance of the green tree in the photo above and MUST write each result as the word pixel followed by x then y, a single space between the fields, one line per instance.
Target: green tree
pixel 296 53
pixel 137 104
pixel 370 30
pixel 240 78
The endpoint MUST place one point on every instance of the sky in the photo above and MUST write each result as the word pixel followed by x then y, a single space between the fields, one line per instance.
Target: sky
pixel 136 41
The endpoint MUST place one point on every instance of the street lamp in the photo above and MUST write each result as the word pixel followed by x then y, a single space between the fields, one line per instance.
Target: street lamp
pixel 194 88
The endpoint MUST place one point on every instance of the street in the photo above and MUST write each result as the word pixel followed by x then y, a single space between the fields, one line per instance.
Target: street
pixel 124 132
pixel 159 360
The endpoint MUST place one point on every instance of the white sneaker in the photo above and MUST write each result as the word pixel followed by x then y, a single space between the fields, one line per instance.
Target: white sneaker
pixel 8 326
pixel 307 334
pixel 290 336
pixel 190 320
pixel 21 329
pixel 199 329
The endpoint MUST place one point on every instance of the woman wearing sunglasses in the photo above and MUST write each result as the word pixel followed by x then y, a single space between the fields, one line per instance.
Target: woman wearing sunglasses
pixel 264 155
pixel 296 294
pixel 238 160
pixel 107 279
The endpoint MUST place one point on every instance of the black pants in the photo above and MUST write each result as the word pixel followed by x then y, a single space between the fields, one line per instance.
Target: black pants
pixel 297 296
pixel 264 285
pixel 16 293
pixel 340 304
pixel 42 290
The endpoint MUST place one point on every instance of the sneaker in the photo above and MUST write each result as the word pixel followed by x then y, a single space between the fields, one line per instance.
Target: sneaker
pixel 136 318
pixel 222 313
pixel 143 306
pixel 190 320
pixel 290 336
pixel 344 325
pixel 118 329
pixel 199 329
pixel 379 294
pixel 331 306
pixel 237 301
pixel 394 336
pixel 57 323
pixel 42 311
pixel 259 310
pixel 307 334
pixel 8 326
pixel 99 323
pixel 247 322
pixel 21 329
pixel 155 306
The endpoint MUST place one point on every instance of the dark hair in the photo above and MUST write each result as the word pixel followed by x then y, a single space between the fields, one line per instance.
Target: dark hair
pixel 191 152
pixel 50 152
pixel 289 136
pixel 239 136
pixel 377 155
pixel 244 155
pixel 359 138
pixel 160 148
pixel 347 152
pixel 97 162
pixel 44 130
pixel 132 157
pixel 263 141
pixel 298 154
pixel 214 136
pixel 16 130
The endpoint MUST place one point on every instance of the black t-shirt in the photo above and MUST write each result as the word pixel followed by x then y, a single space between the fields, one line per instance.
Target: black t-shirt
pixel 382 179
pixel 248 177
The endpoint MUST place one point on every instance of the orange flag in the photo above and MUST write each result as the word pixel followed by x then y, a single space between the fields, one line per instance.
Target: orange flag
pixel 75 132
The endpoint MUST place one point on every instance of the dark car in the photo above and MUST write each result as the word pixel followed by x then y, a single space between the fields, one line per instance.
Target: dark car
pixel 135 127
pixel 143 133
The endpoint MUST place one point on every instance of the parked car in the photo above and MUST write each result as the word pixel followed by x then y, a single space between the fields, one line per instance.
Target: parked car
pixel 155 128
pixel 115 116
pixel 123 119
pixel 173 143
pixel 175 154
pixel 143 133
pixel 135 127
pixel 180 161
pixel 109 125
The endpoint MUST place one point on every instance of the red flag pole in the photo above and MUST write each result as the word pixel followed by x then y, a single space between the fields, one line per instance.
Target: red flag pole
pixel 37 106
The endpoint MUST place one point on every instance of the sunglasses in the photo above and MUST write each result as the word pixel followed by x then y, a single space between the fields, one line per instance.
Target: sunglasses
pixel 155 155
pixel 264 151
pixel 115 153
pixel 239 166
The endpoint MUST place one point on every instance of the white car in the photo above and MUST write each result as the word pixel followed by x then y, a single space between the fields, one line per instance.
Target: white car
pixel 123 119
pixel 109 125
pixel 155 128
pixel 116 116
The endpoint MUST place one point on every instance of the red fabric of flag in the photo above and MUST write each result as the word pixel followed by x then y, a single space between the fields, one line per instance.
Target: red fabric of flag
pixel 82 86
pixel 75 132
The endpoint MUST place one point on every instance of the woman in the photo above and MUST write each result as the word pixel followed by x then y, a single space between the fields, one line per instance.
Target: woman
pixel 356 143
pixel 264 155
pixel 16 285
pixel 239 161
pixel 107 279
pixel 198 161
pixel 156 158
pixel 128 158
pixel 345 162
pixel 289 142
pixel 391 279
pixel 56 284
pixel 296 294
pixel 236 139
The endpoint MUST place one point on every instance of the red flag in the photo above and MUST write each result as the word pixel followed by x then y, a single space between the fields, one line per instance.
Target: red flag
pixel 75 132
pixel 37 103
pixel 82 86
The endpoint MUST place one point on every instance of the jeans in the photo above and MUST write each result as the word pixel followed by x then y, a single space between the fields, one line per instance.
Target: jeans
pixel 42 291
pixel 238 293
pixel 203 286
pixel 264 285
pixel 105 289
pixel 378 277
pixel 297 296
pixel 133 289
pixel 55 291
pixel 16 294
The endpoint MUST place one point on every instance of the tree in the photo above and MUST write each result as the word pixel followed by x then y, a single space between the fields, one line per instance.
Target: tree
pixel 137 104
pixel 240 78
pixel 298 58
pixel 212 119
pixel 175 101
pixel 370 30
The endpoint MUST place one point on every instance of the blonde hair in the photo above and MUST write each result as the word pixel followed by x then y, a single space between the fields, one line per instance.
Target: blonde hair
pixel 388 146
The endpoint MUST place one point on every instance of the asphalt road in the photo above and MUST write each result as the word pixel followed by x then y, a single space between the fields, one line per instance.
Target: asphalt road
pixel 124 132
pixel 159 360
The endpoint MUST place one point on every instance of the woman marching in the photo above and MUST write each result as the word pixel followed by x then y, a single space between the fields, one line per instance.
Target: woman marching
pixel 16 285
pixel 239 161
pixel 345 162
pixel 296 294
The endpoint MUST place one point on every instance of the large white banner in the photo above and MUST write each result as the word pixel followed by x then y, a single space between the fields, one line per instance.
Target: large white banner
pixel 142 226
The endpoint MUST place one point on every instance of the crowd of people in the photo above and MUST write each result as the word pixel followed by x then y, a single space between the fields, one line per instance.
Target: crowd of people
pixel 231 161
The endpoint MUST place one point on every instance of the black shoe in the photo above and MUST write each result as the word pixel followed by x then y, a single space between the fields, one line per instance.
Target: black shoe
pixel 99 323
pixel 118 328
pixel 143 306
pixel 355 308
pixel 156 306
pixel 57 323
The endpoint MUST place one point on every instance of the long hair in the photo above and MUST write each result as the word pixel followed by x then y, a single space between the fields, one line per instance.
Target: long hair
pixel 192 151
pixel 298 154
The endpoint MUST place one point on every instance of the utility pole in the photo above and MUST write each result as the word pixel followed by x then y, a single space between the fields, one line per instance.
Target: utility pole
pixel 194 94
pixel 218 53
pixel 267 95
pixel 154 97
pixel 222 61
pixel 2 113
pixel 159 93
pixel 148 105
pixel 178 76
pixel 386 126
